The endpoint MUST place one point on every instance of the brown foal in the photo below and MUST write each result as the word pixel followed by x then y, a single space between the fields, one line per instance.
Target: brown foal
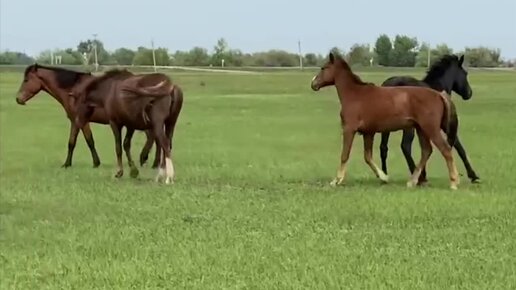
pixel 369 109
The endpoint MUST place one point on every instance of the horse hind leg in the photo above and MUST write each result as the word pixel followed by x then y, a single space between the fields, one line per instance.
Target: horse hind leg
pixel 446 151
pixel 426 152
pixel 368 157
pixel 167 167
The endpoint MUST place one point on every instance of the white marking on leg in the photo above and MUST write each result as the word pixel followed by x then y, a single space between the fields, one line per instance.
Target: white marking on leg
pixel 161 173
pixel 169 171
pixel 383 177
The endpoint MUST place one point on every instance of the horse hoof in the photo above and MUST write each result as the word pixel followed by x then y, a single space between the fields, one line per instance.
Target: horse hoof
pixel 143 160
pixel 96 164
pixel 475 180
pixel 119 174
pixel 134 172
pixel 422 182
pixel 66 165
pixel 411 184
pixel 336 181
pixel 453 187
pixel 169 180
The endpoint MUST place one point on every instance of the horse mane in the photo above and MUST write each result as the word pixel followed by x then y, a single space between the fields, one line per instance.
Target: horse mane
pixel 65 78
pixel 356 79
pixel 110 74
pixel 439 68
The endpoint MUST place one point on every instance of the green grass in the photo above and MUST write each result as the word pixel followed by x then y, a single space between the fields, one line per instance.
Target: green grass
pixel 251 207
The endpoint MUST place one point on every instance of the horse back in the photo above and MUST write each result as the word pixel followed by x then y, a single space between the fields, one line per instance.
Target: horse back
pixel 403 81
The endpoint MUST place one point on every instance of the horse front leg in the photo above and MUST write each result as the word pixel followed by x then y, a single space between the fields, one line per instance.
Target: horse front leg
pixel 127 148
pixel 117 133
pixel 72 140
pixel 157 156
pixel 144 155
pixel 347 140
pixel 88 135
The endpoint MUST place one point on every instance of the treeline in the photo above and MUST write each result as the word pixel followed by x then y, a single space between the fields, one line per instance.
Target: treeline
pixel 402 51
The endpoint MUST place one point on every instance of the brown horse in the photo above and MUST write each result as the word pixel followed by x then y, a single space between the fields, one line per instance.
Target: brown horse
pixel 137 102
pixel 57 82
pixel 369 109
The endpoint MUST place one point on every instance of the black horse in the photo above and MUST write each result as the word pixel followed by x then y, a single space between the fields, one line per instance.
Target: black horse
pixel 446 74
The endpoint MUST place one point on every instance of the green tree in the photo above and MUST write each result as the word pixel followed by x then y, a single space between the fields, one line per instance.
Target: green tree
pixel 439 51
pixel 359 54
pixel 310 59
pixel 143 56
pixel 382 49
pixel 404 52
pixel 15 57
pixel 197 56
pixel 220 52
pixel 276 58
pixel 87 48
pixel 482 56
pixel 124 56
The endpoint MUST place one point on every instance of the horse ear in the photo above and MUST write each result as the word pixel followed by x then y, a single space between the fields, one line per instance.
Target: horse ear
pixel 332 57
pixel 461 60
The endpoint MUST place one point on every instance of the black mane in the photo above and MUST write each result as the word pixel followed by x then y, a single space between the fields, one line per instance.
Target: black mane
pixel 439 68
pixel 65 78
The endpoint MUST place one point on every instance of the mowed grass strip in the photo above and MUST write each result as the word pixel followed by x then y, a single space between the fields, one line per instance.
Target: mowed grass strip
pixel 251 206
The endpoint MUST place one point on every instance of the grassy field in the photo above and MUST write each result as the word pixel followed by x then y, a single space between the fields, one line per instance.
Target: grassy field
pixel 252 207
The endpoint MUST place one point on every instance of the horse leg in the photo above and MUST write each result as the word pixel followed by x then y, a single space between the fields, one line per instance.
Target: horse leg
pixel 406 148
pixel 368 157
pixel 347 140
pixel 144 155
pixel 462 154
pixel 117 133
pixel 157 156
pixel 446 151
pixel 384 149
pixel 72 140
pixel 88 135
pixel 127 148
pixel 426 151
pixel 166 161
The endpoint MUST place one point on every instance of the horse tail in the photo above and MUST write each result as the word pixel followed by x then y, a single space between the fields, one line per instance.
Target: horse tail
pixel 177 104
pixel 450 120
pixel 163 88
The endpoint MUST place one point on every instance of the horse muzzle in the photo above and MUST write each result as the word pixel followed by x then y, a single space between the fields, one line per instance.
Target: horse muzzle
pixel 20 101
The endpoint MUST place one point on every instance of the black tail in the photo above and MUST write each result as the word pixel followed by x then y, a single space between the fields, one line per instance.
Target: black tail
pixel 450 121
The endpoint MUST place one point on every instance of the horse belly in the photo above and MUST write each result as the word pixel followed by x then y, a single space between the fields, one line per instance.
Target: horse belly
pixel 388 125
pixel 99 116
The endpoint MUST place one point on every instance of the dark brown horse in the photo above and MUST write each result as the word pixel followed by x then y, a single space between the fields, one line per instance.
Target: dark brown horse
pixel 137 102
pixel 446 74
pixel 369 109
pixel 57 82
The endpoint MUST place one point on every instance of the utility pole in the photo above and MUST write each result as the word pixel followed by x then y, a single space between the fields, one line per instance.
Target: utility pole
pixel 300 55
pixel 95 51
pixel 153 55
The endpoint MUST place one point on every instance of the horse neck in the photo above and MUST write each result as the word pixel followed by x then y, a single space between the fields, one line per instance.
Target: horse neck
pixel 441 83
pixel 51 87
pixel 345 84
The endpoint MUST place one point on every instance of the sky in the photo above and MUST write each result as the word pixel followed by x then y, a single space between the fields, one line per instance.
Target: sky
pixel 32 26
